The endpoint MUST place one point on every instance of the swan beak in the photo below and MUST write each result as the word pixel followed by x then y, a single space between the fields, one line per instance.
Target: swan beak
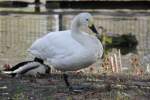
pixel 92 27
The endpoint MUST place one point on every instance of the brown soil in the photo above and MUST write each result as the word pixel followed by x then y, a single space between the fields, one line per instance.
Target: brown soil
pixel 95 87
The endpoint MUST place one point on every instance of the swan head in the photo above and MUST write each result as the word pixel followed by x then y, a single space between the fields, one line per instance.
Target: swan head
pixel 85 20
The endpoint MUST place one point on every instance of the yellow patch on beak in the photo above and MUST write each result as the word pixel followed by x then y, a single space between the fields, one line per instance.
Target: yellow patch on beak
pixel 90 23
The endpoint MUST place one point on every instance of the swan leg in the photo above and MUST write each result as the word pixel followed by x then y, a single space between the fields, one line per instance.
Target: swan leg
pixel 71 89
pixel 65 77
pixel 77 89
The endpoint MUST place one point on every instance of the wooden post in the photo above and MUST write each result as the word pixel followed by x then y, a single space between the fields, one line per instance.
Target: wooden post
pixel 120 62
pixel 112 63
pixel 116 63
pixel 37 1
pixel 37 5
pixel 60 22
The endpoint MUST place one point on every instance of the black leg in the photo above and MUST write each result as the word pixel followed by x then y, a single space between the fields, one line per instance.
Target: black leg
pixel 72 89
pixel 65 77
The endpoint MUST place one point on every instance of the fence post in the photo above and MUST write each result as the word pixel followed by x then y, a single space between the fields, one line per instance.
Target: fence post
pixel 60 22
pixel 37 5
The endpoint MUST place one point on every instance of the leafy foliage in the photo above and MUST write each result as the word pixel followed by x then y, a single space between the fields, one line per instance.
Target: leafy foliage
pixel 126 43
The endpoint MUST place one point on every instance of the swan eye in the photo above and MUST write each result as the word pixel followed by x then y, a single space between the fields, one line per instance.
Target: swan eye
pixel 87 19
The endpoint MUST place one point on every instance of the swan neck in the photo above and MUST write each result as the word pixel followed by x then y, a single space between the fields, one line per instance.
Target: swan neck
pixel 75 26
pixel 76 32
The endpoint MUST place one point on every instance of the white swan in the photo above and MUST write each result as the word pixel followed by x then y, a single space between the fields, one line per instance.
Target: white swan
pixel 69 50
pixel 72 49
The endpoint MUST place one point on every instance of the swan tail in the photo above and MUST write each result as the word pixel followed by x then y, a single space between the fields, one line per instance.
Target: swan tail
pixel 9 73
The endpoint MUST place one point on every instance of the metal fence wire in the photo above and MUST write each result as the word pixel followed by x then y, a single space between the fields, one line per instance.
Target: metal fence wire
pixel 18 31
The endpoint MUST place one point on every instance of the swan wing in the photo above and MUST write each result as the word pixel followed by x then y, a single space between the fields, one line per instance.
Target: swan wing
pixel 54 45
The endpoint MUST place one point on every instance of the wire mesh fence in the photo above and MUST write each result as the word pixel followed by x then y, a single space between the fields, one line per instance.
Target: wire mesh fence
pixel 18 31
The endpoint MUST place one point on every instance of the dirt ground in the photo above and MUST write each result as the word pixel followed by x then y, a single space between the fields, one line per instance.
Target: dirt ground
pixel 94 87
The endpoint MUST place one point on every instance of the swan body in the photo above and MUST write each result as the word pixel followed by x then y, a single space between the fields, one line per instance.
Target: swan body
pixel 72 49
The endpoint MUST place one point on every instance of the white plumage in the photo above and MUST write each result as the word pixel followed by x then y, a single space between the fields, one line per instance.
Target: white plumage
pixel 72 49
